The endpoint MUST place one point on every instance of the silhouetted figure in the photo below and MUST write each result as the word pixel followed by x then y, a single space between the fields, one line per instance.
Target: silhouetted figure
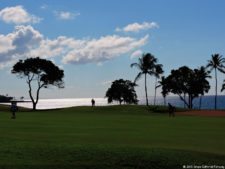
pixel 93 102
pixel 171 110
pixel 13 109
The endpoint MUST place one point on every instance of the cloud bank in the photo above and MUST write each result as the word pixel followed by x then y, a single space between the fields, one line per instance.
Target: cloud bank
pixel 25 42
pixel 103 49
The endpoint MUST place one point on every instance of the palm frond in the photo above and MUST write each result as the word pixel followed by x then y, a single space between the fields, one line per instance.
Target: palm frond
pixel 221 69
pixel 158 86
pixel 138 77
pixel 223 86
pixel 135 65
pixel 151 72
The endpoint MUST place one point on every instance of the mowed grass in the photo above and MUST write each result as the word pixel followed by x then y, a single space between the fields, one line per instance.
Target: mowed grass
pixel 109 137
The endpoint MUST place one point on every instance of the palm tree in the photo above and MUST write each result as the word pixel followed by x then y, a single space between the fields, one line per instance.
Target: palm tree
pixel 146 64
pixel 165 90
pixel 223 86
pixel 158 72
pixel 216 63
pixel 201 76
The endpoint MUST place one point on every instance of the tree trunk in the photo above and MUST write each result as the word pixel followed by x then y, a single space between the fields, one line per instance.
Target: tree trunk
pixel 184 100
pixel 164 98
pixel 120 101
pixel 30 94
pixel 29 80
pixel 34 105
pixel 189 102
pixel 200 102
pixel 216 89
pixel 146 94
pixel 155 91
pixel 37 97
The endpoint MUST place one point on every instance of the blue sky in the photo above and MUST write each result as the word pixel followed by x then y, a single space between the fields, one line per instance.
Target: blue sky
pixel 96 41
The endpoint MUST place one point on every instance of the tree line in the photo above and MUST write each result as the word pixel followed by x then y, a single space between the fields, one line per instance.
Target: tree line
pixel 185 82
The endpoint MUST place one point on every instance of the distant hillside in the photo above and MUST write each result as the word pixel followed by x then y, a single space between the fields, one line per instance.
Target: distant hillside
pixel 5 98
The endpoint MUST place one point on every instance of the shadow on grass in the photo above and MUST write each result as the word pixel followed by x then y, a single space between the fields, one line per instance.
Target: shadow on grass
pixel 163 109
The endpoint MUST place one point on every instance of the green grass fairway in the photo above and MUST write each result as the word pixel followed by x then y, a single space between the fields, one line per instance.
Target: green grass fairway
pixel 124 137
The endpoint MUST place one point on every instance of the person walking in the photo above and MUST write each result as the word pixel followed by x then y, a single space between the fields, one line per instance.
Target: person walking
pixel 93 102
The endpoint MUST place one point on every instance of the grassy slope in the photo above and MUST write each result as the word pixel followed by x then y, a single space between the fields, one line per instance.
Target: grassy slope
pixel 109 137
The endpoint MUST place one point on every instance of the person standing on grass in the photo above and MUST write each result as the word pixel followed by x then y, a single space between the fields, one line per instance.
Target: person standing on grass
pixel 13 109
pixel 93 102
pixel 171 110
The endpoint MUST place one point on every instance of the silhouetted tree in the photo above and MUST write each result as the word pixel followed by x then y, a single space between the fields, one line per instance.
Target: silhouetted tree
pixel 216 63
pixel 158 72
pixel 5 98
pixel 43 71
pixel 122 91
pixel 163 83
pixel 202 74
pixel 147 65
pixel 185 81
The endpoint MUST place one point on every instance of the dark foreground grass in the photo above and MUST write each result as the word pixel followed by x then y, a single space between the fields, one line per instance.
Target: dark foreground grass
pixel 109 137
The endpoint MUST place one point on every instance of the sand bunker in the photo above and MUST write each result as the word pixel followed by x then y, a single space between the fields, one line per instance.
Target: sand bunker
pixel 214 113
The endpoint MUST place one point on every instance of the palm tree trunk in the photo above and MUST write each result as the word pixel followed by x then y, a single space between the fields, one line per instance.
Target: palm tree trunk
pixel 155 91
pixel 216 90
pixel 146 93
pixel 164 98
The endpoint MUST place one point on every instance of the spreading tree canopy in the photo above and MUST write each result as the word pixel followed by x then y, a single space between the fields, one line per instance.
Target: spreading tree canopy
pixel 122 91
pixel 41 71
pixel 185 81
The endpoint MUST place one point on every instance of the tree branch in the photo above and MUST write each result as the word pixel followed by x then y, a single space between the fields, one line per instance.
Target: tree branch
pixel 185 102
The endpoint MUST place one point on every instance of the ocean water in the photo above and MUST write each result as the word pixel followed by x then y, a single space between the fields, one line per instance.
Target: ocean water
pixel 63 103
pixel 207 102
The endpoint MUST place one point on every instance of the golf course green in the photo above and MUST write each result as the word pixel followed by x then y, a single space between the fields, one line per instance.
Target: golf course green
pixel 124 137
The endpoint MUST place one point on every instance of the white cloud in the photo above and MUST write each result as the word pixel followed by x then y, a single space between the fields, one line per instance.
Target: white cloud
pixel 136 53
pixel 103 49
pixel 56 47
pixel 25 42
pixel 5 43
pixel 65 15
pixel 136 27
pixel 17 15
pixel 18 44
